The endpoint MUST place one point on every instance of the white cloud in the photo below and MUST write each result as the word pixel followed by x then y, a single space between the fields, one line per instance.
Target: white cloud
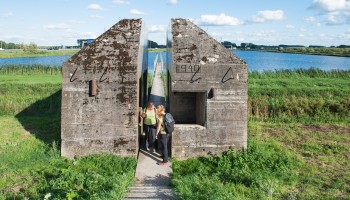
pixel 268 15
pixel 61 26
pixel 12 37
pixel 303 30
pixel 94 6
pixel 313 21
pixel 156 28
pixel 219 20
pixel 330 5
pixel 97 16
pixel 77 34
pixel 334 12
pixel 172 2
pixel 121 2
pixel 73 21
pixel 289 26
pixel 9 14
pixel 310 19
pixel 136 12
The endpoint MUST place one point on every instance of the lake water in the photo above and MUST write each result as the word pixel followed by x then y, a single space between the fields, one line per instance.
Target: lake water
pixel 259 61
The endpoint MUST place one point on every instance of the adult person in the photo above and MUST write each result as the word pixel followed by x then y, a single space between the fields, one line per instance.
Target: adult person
pixel 150 121
pixel 164 137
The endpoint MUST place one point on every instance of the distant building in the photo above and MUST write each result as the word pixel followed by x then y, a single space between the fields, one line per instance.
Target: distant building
pixel 83 42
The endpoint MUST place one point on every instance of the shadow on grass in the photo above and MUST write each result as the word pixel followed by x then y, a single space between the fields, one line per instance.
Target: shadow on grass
pixel 43 118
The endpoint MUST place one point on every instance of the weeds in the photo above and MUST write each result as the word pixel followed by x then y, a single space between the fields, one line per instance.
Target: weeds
pixel 256 172
pixel 31 166
pixel 16 69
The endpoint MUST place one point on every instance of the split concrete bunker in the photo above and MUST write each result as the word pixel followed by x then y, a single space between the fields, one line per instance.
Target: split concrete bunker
pixel 208 96
pixel 105 85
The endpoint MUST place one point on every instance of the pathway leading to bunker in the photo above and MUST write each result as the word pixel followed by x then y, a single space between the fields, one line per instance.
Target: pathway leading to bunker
pixel 152 179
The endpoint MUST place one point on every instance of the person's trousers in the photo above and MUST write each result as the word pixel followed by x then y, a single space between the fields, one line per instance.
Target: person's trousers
pixel 164 139
pixel 150 136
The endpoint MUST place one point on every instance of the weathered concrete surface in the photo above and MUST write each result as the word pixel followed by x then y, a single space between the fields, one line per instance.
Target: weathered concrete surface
pixel 208 93
pixel 149 172
pixel 107 121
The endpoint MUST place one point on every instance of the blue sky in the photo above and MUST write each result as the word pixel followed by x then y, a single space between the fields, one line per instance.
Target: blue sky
pixel 270 22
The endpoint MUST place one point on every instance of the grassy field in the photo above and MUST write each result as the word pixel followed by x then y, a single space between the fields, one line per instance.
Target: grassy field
pixel 36 53
pixel 30 162
pixel 307 96
pixel 298 148
pixel 283 161
pixel 298 143
pixel 325 51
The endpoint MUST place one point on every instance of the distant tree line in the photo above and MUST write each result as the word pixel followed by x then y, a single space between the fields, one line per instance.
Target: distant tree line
pixel 10 45
pixel 152 44
pixel 247 46
pixel 26 47
pixel 341 50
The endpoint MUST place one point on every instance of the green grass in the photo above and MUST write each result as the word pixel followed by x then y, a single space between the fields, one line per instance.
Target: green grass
pixel 30 162
pixel 298 144
pixel 34 69
pixel 325 51
pixel 157 50
pixel 282 161
pixel 37 53
pixel 312 96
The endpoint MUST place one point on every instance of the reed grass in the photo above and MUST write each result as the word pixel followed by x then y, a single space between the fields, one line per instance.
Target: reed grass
pixel 300 96
pixel 36 53
pixel 31 166
pixel 16 69
pixel 325 51
pixel 282 161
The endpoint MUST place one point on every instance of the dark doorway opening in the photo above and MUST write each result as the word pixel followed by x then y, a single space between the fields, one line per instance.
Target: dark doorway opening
pixel 189 107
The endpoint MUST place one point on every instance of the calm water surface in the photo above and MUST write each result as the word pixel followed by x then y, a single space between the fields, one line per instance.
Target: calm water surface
pixel 259 61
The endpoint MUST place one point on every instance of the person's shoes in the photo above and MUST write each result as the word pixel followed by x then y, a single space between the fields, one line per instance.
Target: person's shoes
pixel 163 163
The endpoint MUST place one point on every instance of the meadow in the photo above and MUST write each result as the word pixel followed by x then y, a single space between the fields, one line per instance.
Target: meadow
pixel 30 162
pixel 298 144
pixel 37 53
pixel 325 51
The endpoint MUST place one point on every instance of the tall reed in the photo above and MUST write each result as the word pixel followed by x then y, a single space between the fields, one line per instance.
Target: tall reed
pixel 30 69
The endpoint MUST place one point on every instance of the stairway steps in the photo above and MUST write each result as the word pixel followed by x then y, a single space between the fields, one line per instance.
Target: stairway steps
pixel 149 192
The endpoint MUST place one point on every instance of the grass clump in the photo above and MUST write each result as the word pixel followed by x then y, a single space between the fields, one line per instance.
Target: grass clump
pixel 30 162
pixel 37 53
pixel 261 171
pixel 31 166
pixel 312 96
pixel 17 69
pixel 282 161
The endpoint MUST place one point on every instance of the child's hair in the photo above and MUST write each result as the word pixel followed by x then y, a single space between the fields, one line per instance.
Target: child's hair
pixel 150 105
pixel 160 110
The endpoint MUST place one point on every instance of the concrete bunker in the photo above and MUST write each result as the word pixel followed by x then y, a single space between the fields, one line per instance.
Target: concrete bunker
pixel 103 87
pixel 208 96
